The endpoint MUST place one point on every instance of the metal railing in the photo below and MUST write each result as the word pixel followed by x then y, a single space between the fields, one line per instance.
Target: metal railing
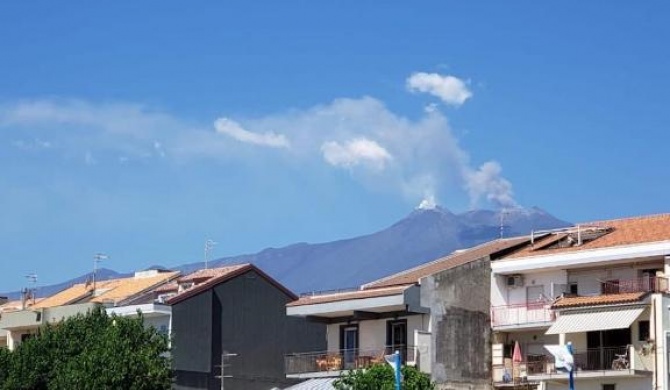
pixel 591 359
pixel 643 284
pixel 526 313
pixel 345 359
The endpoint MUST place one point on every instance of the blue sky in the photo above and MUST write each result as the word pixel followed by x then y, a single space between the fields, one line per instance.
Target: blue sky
pixel 139 129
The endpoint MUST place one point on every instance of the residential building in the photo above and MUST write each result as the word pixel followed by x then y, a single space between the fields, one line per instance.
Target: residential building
pixel 25 319
pixel 436 315
pixel 601 286
pixel 235 317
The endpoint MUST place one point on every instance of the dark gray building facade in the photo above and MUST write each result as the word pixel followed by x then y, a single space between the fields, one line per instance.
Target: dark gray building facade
pixel 241 313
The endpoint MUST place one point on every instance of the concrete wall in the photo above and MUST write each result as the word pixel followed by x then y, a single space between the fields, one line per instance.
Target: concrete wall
pixel 459 300
pixel 245 315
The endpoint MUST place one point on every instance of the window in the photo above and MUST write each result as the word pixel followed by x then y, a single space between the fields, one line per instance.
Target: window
pixel 573 288
pixel 643 330
pixel 609 387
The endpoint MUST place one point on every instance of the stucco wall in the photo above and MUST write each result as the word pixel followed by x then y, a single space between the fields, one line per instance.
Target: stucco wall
pixel 459 300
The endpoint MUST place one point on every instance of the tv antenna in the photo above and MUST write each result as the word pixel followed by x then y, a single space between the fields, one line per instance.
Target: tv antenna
pixel 29 292
pixel 97 258
pixel 502 223
pixel 209 247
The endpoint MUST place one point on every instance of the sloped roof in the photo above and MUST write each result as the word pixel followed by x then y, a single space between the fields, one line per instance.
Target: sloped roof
pixel 223 274
pixel 609 299
pixel 112 290
pixel 444 263
pixel 625 231
pixel 348 295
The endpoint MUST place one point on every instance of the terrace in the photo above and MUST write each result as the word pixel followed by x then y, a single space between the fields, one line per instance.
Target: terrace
pixel 331 363
pixel 622 361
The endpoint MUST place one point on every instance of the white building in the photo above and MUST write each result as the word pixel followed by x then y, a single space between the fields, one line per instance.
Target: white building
pixel 601 286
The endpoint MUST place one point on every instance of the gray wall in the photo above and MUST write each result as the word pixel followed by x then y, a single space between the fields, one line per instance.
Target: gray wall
pixel 247 316
pixel 459 300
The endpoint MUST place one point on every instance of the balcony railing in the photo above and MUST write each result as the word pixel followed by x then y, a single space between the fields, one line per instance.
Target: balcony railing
pixel 346 359
pixel 527 313
pixel 643 284
pixel 592 359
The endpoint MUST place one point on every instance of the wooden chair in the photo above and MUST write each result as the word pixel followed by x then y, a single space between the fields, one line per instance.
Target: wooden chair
pixel 334 362
pixel 322 363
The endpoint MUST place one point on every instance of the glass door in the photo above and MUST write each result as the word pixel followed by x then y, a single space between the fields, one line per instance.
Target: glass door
pixel 350 346
pixel 396 338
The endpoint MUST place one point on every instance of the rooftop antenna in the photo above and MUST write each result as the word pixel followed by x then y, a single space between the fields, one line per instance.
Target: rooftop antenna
pixel 502 223
pixel 97 258
pixel 29 292
pixel 209 246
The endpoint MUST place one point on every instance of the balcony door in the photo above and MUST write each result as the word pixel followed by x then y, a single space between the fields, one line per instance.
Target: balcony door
pixel 603 346
pixel 349 345
pixel 396 337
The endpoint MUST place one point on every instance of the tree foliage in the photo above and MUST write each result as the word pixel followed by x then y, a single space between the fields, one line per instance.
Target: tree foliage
pixel 89 351
pixel 381 377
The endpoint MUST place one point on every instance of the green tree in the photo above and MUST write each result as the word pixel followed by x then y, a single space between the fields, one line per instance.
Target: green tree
pixel 91 351
pixel 381 377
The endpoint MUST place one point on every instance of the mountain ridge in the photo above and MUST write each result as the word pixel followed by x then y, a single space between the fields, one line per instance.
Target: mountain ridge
pixel 425 234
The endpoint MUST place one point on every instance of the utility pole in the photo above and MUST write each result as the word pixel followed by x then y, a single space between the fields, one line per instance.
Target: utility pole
pixel 224 358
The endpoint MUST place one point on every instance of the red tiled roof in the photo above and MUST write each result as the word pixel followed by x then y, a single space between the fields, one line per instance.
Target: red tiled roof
pixel 453 260
pixel 627 231
pixel 344 296
pixel 112 290
pixel 609 299
pixel 209 273
pixel 220 275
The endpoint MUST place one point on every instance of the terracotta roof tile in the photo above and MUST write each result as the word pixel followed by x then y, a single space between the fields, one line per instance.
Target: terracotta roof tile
pixel 347 295
pixel 627 231
pixel 204 274
pixel 444 263
pixel 609 299
pixel 223 274
pixel 112 290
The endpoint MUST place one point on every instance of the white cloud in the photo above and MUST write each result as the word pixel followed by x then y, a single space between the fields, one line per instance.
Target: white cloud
pixel 451 90
pixel 32 144
pixel 354 152
pixel 234 130
pixel 418 158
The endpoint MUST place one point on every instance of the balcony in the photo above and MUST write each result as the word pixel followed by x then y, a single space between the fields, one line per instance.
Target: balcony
pixel 592 362
pixel 522 314
pixel 643 284
pixel 331 363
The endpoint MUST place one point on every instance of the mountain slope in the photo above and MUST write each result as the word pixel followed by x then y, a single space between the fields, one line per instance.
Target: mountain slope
pixel 424 235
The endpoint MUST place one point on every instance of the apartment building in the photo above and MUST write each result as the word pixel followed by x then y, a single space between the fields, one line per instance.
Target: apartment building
pixel 23 319
pixel 436 315
pixel 602 286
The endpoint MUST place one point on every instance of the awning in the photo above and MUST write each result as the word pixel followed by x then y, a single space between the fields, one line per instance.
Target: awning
pixel 613 318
